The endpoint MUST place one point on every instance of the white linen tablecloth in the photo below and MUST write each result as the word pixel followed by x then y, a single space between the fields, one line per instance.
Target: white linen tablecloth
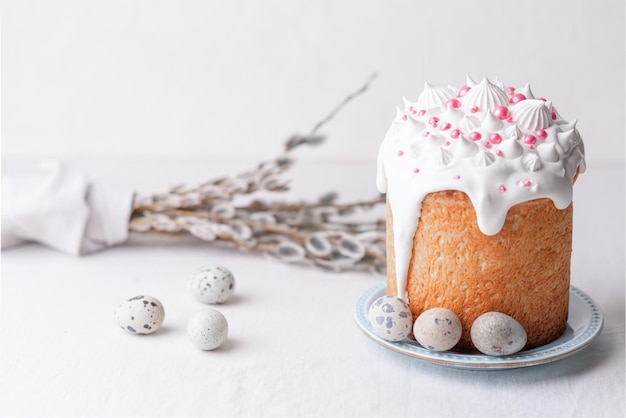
pixel 293 347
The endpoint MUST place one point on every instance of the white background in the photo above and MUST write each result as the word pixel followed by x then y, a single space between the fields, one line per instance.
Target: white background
pixel 233 79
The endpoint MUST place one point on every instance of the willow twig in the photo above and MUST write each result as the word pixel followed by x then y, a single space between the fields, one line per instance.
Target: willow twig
pixel 311 233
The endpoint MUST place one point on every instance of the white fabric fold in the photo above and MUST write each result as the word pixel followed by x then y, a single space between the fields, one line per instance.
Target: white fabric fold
pixel 60 208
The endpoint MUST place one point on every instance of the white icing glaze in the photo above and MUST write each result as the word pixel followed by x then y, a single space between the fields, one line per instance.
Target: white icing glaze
pixel 432 146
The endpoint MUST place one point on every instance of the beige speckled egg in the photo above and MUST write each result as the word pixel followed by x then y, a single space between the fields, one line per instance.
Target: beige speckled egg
pixel 212 284
pixel 140 315
pixel 207 329
pixel 390 318
pixel 437 329
pixel 497 334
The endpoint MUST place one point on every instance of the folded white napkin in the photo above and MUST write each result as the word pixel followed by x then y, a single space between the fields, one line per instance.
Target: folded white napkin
pixel 59 207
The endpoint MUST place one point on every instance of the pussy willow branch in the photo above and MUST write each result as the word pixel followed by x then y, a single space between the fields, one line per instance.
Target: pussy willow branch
pixel 316 233
pixel 341 105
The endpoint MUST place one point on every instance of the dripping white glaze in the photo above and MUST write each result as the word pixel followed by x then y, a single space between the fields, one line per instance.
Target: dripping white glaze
pixel 499 146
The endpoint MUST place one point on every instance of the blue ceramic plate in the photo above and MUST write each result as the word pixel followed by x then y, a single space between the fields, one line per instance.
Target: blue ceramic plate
pixel 583 326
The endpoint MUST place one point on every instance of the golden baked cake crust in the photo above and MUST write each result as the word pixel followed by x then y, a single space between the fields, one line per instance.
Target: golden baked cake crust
pixel 522 271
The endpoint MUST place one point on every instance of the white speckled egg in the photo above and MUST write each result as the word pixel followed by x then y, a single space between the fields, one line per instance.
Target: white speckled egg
pixel 497 334
pixel 140 315
pixel 207 329
pixel 390 318
pixel 437 329
pixel 212 284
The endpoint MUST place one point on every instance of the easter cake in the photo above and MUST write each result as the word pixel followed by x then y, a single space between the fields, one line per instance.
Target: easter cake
pixel 479 206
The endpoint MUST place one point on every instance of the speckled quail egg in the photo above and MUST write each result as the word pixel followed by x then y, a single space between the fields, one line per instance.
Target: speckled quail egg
pixel 212 284
pixel 437 329
pixel 207 329
pixel 390 318
pixel 140 315
pixel 497 334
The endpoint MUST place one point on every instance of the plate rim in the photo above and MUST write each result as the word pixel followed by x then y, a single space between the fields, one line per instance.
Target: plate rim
pixel 560 348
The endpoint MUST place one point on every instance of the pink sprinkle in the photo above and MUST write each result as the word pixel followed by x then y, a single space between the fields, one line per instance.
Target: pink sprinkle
pixel 502 188
pixel 433 121
pixel 404 117
pixel 531 146
pixel 510 90
pixel 426 133
pixel 447 143
pixel 411 108
pixel 474 109
pixel 463 91
pixel 529 139
pixel 509 119
pixel 495 138
pixel 421 112
pixel 487 144
pixel 400 153
pixel 553 114
pixel 456 177
pixel 455 133
pixel 445 126
pixel 527 183
pixel 416 170
pixel 413 111
pixel 517 97
pixel 541 133
pixel 501 112
pixel 499 153
pixel 454 103
pixel 475 136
